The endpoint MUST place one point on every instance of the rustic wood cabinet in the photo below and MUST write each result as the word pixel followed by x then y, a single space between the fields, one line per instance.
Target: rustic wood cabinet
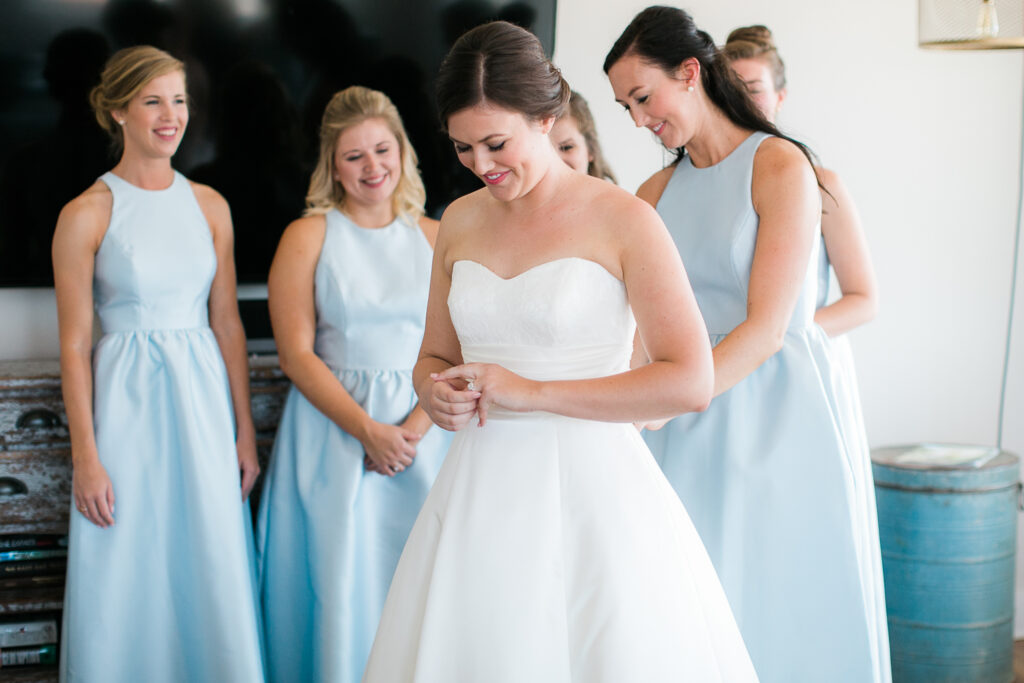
pixel 35 469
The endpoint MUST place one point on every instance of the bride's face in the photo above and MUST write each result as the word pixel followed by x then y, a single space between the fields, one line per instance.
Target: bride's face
pixel 506 150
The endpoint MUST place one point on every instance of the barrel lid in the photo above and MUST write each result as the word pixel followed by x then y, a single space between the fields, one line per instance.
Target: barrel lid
pixel 945 466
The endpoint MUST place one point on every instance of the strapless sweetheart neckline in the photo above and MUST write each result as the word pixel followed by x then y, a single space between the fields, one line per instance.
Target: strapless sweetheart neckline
pixel 539 266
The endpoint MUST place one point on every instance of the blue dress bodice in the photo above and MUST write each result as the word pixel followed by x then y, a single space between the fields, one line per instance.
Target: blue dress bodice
pixel 718 247
pixel 370 294
pixel 156 262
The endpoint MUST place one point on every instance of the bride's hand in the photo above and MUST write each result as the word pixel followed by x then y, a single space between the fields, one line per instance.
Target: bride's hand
pixel 451 404
pixel 494 385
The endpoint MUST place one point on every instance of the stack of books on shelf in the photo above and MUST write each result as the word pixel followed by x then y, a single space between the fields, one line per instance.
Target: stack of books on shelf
pixel 32 561
pixel 32 568
pixel 28 642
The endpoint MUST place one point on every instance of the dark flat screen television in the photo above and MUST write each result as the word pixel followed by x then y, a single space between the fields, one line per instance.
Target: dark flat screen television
pixel 259 73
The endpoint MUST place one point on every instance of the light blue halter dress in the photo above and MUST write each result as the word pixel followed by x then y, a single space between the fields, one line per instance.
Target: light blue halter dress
pixel 330 532
pixel 764 472
pixel 167 593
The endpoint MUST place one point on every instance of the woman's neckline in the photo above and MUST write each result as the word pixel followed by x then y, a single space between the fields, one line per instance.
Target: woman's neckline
pixel 348 217
pixel 174 179
pixel 733 151
pixel 535 267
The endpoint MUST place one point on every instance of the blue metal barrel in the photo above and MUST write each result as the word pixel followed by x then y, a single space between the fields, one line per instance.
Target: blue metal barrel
pixel 948 532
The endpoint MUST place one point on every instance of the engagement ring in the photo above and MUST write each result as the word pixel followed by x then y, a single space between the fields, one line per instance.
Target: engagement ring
pixel 470 386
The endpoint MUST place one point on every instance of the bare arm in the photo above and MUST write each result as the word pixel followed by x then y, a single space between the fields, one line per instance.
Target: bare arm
pixel 80 229
pixel 293 316
pixel 679 377
pixel 418 421
pixel 848 252
pixel 429 227
pixel 785 197
pixel 447 404
pixel 652 188
pixel 227 328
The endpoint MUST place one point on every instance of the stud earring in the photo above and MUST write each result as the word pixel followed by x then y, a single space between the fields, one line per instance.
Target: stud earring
pixel 120 123
pixel 689 88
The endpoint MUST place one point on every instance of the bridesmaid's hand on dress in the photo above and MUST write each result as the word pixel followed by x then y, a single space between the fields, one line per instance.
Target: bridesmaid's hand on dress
pixel 452 403
pixel 92 492
pixel 248 463
pixel 390 448
pixel 495 385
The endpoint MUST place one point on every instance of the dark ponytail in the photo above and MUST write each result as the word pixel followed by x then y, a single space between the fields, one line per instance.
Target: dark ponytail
pixel 666 37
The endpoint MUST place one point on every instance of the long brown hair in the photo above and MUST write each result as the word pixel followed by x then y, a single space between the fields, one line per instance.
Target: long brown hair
pixel 666 37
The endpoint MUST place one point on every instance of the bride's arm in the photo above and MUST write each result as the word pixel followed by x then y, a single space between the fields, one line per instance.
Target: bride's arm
pixel 446 402
pixel 678 379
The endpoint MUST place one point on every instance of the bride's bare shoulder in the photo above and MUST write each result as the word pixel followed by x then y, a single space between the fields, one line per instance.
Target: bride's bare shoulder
pixel 619 213
pixel 465 212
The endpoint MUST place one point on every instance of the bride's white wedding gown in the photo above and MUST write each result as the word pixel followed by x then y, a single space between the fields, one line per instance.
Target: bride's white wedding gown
pixel 552 548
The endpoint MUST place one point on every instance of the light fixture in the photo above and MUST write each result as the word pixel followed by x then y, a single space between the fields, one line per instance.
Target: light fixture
pixel 970 24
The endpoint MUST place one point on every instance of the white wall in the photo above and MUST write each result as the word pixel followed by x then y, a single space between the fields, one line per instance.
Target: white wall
pixel 928 143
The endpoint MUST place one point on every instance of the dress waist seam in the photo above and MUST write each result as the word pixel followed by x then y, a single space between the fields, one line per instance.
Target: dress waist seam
pixel 150 330
pixel 337 369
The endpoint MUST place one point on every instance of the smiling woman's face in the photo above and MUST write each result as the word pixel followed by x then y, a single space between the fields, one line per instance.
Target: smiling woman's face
pixel 503 148
pixel 655 99
pixel 368 162
pixel 154 121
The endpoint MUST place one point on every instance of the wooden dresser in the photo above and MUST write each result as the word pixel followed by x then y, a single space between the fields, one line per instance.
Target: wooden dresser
pixel 35 469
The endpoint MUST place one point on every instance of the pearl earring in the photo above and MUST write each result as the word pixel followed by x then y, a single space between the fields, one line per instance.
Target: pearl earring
pixel 120 123
pixel 689 88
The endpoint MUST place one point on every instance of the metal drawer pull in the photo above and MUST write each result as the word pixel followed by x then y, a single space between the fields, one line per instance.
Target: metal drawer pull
pixel 38 418
pixel 9 486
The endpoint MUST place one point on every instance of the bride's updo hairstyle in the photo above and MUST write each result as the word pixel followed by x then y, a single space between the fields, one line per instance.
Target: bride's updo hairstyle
pixel 504 65
pixel 666 37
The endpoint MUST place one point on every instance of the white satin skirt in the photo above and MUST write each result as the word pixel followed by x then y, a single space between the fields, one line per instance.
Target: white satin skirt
pixel 552 549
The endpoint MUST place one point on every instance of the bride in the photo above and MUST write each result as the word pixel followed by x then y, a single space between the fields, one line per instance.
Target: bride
pixel 551 547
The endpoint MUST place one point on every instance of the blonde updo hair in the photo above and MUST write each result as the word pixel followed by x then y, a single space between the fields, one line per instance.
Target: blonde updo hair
pixel 348 108
pixel 756 42
pixel 125 74
pixel 579 111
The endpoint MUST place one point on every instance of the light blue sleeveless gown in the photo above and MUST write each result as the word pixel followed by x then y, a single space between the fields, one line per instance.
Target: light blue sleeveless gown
pixel 167 593
pixel 846 400
pixel 330 532
pixel 764 472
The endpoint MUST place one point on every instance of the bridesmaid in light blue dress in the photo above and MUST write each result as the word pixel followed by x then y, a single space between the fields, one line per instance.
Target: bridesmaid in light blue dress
pixel 355 455
pixel 163 588
pixel 753 56
pixel 764 472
